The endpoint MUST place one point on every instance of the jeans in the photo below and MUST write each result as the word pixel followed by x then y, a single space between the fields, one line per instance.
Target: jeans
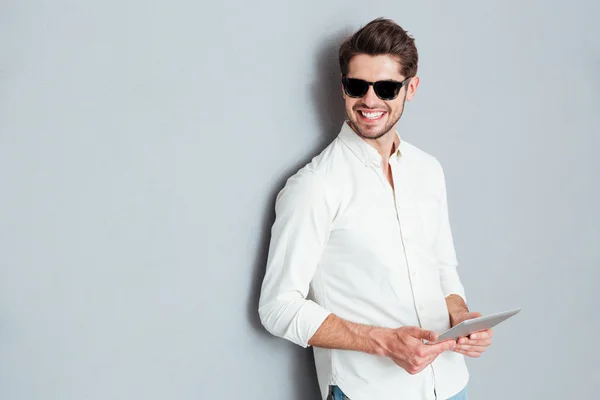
pixel 337 394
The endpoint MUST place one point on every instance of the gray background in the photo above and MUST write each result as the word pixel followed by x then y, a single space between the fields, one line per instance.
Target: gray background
pixel 142 145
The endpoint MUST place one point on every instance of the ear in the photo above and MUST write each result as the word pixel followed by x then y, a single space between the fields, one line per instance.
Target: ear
pixel 411 89
pixel 342 87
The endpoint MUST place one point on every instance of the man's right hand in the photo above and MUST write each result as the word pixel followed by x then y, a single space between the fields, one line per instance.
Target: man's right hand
pixel 405 346
pixel 402 345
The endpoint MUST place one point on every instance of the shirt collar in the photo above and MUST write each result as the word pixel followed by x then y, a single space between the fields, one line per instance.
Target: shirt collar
pixel 364 151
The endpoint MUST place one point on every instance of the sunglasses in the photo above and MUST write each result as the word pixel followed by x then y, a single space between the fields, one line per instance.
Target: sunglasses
pixel 385 90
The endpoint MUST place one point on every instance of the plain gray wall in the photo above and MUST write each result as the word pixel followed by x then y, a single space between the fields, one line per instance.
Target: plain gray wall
pixel 142 145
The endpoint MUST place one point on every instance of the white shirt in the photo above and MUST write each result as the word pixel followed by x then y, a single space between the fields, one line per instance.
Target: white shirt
pixel 345 242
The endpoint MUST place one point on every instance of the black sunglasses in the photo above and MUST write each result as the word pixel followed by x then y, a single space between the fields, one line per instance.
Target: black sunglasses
pixel 385 90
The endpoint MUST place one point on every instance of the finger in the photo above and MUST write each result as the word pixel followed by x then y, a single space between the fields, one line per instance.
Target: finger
pixel 427 350
pixel 483 342
pixel 441 341
pixel 486 342
pixel 463 347
pixel 474 341
pixel 488 333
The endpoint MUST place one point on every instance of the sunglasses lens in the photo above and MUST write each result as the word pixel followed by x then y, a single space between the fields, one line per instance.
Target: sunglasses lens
pixel 387 90
pixel 355 87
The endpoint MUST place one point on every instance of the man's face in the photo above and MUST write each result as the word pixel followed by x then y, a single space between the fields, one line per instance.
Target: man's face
pixel 370 116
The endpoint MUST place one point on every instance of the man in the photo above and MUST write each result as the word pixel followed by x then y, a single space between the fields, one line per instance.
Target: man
pixel 361 262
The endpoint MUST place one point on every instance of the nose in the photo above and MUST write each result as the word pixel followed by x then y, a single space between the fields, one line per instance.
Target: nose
pixel 370 99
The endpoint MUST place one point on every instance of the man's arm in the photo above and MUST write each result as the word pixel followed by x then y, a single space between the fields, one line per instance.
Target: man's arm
pixel 444 249
pixel 477 342
pixel 337 333
pixel 453 290
pixel 402 345
pixel 298 237
pixel 456 308
pixel 299 234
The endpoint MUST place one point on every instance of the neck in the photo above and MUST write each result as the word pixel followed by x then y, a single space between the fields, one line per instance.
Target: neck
pixel 386 145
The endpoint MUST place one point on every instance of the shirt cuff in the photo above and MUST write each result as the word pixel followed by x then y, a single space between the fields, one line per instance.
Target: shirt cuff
pixel 306 323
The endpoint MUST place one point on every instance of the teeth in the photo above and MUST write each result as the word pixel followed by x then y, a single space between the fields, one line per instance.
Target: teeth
pixel 373 115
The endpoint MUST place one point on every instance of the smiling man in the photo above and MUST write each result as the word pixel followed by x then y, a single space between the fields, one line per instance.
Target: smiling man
pixel 361 262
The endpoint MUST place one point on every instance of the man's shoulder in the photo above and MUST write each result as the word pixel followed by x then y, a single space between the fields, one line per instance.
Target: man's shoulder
pixel 323 164
pixel 317 171
pixel 419 157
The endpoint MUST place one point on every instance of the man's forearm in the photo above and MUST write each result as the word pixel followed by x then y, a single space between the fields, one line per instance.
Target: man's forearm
pixel 456 306
pixel 337 333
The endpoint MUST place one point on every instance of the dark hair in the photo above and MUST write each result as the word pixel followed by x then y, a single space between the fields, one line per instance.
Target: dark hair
pixel 381 36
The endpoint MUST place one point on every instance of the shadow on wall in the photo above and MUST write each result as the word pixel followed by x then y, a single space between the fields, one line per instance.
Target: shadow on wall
pixel 328 105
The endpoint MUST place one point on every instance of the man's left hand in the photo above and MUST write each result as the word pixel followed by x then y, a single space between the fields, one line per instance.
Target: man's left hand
pixel 476 343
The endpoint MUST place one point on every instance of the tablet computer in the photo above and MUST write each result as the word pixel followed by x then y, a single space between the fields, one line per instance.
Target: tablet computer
pixel 469 326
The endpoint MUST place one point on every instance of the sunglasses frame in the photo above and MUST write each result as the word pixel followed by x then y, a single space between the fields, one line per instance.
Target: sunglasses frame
pixel 345 80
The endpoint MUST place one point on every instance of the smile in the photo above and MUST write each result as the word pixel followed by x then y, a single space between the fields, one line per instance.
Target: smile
pixel 371 115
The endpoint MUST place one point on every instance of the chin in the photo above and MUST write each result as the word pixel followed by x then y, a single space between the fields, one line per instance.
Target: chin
pixel 370 131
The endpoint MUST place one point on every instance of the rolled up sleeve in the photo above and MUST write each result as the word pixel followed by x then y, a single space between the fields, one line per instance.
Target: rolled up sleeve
pixel 299 234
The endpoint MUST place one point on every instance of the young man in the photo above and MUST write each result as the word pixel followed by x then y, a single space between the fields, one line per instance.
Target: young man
pixel 361 262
